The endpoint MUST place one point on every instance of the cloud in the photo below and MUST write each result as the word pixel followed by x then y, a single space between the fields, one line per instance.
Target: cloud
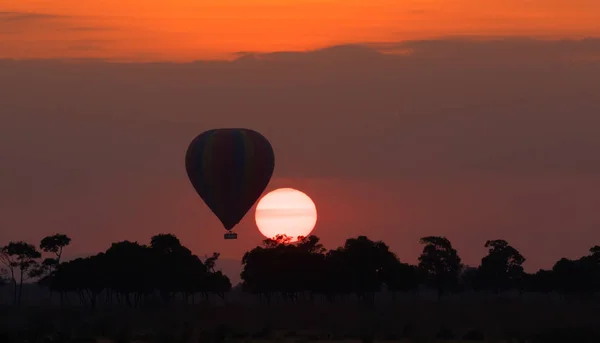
pixel 24 22
pixel 26 16
pixel 513 107
pixel 90 28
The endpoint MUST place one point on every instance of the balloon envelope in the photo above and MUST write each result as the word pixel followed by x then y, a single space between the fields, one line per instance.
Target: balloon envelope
pixel 229 169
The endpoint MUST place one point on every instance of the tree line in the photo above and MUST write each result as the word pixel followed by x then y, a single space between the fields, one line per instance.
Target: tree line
pixel 165 271
pixel 363 267
pixel 126 273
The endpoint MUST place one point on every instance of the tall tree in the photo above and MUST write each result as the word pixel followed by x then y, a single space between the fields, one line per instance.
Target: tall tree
pixel 367 261
pixel 502 268
pixel 20 258
pixel 440 263
pixel 280 266
pixel 55 244
pixel 51 244
pixel 578 276
pixel 211 262
pixel 174 264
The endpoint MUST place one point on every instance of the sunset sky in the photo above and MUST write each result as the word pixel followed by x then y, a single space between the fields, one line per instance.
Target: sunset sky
pixel 484 127
pixel 200 29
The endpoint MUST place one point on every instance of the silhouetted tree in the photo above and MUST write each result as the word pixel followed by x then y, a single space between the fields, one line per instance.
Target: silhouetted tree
pixel 19 258
pixel 366 262
pixel 128 267
pixel 268 269
pixel 440 264
pixel 3 280
pixel 215 281
pixel 175 266
pixel 502 268
pixel 337 275
pixel 55 244
pixel 210 262
pixel 292 270
pixel 311 254
pixel 130 273
pixel 578 276
pixel 400 277
pixel 51 244
pixel 135 274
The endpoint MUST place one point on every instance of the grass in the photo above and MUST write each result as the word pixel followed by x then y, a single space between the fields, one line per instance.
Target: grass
pixel 406 323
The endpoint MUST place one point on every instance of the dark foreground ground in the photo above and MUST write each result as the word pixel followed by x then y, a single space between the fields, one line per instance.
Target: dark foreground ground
pixel 492 320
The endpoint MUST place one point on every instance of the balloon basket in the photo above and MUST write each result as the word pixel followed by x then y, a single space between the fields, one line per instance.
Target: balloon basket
pixel 230 235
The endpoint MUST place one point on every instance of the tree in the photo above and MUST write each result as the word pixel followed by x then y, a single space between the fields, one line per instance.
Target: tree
pixel 215 281
pixel 366 262
pixel 578 276
pixel 3 280
pixel 290 269
pixel 440 263
pixel 20 258
pixel 84 276
pixel 135 274
pixel 400 277
pixel 130 273
pixel 593 260
pixel 211 262
pixel 165 243
pixel 177 269
pixel 265 271
pixel 543 281
pixel 128 268
pixel 502 268
pixel 54 244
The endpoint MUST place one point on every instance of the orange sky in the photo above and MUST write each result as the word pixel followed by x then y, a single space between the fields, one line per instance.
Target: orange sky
pixel 200 29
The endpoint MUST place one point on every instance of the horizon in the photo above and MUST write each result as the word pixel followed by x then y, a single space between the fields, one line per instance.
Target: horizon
pixel 228 268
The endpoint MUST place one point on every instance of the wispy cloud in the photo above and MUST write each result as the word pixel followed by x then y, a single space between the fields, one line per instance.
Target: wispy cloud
pixel 26 16
pixel 28 23
pixel 90 28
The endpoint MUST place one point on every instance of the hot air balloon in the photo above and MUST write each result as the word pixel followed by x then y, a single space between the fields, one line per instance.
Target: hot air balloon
pixel 229 169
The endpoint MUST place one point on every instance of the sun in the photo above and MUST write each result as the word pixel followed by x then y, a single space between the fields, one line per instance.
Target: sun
pixel 286 211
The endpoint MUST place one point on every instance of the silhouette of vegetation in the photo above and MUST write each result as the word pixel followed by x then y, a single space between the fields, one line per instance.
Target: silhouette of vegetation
pixel 150 278
pixel 440 264
pixel 500 270
pixel 54 244
pixel 20 258
pixel 361 267
pixel 164 271
pixel 126 273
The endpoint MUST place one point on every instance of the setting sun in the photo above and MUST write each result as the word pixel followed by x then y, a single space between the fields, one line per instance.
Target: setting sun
pixel 286 211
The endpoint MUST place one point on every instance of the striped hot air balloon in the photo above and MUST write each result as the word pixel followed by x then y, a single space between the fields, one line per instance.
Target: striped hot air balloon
pixel 229 169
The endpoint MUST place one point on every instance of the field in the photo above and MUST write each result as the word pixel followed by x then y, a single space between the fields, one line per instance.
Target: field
pixel 492 320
